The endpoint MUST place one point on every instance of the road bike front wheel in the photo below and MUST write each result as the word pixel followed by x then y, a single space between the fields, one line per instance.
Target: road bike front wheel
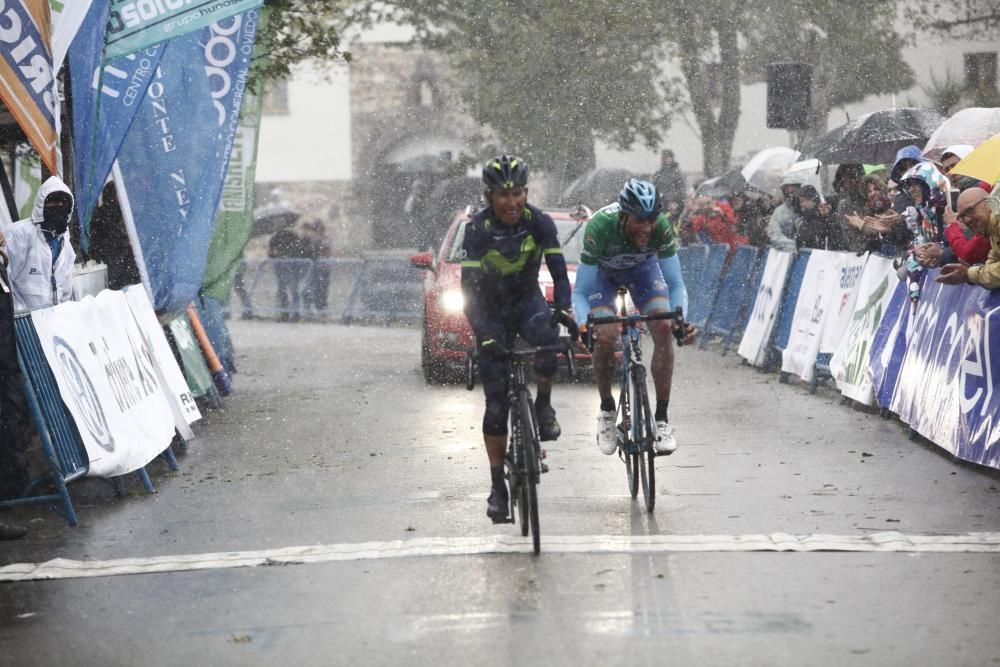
pixel 625 446
pixel 645 455
pixel 532 469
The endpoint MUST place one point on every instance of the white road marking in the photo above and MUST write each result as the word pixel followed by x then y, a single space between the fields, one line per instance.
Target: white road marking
pixel 887 542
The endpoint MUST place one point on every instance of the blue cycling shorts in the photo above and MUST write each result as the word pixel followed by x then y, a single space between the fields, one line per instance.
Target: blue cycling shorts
pixel 644 282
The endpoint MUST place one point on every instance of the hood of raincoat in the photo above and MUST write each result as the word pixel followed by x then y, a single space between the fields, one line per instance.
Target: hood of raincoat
pixel 958 150
pixel 934 184
pixel 904 153
pixel 52 184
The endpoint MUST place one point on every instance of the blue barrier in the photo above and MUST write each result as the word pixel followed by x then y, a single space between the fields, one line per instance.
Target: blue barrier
pixel 786 310
pixel 387 290
pixel 61 444
pixel 701 298
pixel 692 258
pixel 732 302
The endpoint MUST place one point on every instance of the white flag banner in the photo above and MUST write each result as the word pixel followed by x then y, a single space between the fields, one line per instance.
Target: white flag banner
pixel 185 410
pixel 818 284
pixel 849 365
pixel 753 345
pixel 67 17
pixel 845 294
pixel 108 381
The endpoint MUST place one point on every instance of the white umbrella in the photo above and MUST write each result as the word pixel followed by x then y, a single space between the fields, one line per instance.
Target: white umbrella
pixel 765 169
pixel 970 126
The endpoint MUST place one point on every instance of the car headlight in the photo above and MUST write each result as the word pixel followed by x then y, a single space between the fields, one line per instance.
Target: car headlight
pixel 452 301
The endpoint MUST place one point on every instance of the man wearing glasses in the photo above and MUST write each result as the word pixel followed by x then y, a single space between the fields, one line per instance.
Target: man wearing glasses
pixel 976 214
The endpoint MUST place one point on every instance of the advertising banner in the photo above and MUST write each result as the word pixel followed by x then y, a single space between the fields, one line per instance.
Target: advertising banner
pixel 196 372
pixel 889 344
pixel 947 384
pixel 845 294
pixel 174 158
pixel 818 286
pixel 105 101
pixel 27 80
pixel 106 378
pixel 184 408
pixel 136 24
pixel 27 179
pixel 849 365
pixel 753 345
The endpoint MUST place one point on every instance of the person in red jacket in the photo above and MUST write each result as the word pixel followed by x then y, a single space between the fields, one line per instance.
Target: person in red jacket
pixel 715 222
pixel 971 248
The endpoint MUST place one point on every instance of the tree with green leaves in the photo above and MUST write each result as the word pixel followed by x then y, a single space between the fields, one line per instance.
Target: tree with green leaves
pixel 966 19
pixel 548 77
pixel 299 30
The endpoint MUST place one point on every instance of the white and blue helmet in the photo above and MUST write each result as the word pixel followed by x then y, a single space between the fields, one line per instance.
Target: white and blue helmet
pixel 640 199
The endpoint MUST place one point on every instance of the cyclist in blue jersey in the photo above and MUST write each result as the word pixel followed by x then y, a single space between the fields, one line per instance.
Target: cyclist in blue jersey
pixel 502 251
pixel 631 243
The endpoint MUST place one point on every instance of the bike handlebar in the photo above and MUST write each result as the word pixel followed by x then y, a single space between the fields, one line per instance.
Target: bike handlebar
pixel 677 315
pixel 564 347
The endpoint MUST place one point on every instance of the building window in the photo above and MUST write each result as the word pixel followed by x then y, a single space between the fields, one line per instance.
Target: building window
pixel 275 101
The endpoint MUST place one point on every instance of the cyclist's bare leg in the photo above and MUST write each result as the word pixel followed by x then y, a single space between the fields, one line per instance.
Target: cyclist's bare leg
pixel 662 364
pixel 605 336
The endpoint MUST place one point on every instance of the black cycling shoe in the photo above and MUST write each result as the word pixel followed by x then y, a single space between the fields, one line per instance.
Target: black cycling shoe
pixel 498 504
pixel 548 427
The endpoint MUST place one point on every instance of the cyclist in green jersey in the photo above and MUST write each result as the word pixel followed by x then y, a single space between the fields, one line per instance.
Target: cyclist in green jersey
pixel 631 243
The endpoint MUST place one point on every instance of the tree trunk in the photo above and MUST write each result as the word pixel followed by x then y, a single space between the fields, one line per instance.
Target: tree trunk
pixel 717 130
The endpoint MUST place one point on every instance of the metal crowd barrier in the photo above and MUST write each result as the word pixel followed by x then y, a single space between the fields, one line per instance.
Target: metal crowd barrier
pixel 733 299
pixel 293 289
pixel 387 290
pixel 706 286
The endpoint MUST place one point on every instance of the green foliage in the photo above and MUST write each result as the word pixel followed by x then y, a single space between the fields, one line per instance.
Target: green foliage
pixel 549 77
pixel 298 30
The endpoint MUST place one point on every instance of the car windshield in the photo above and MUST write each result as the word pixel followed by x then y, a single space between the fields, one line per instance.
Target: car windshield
pixel 570 237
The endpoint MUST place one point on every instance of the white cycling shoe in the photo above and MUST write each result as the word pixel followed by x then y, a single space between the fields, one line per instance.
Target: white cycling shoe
pixel 665 442
pixel 607 439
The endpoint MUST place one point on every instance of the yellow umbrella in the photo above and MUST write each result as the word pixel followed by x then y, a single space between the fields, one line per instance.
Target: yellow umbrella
pixel 982 163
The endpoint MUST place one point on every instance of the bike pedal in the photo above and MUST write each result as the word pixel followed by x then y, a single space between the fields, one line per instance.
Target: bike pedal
pixel 545 467
pixel 505 520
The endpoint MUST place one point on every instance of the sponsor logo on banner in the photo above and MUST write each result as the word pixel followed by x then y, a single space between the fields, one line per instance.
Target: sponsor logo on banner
pixel 818 285
pixel 82 394
pixel 946 382
pixel 753 344
pixel 136 24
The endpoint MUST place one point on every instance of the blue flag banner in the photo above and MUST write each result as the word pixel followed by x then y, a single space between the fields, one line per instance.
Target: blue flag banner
pixel 105 101
pixel 889 345
pixel 173 161
pixel 948 387
pixel 27 81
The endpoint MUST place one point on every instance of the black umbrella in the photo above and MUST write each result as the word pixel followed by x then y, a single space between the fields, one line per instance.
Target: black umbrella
pixel 875 137
pixel 273 217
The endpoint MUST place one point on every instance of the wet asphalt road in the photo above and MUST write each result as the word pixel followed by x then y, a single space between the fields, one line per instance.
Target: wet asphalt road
pixel 334 438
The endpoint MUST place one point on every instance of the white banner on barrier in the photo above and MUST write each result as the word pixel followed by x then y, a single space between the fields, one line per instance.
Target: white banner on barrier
pixel 753 345
pixel 107 379
pixel 845 295
pixel 849 365
pixel 185 410
pixel 818 285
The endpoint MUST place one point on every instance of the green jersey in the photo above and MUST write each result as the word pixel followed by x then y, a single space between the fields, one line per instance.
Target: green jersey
pixel 605 245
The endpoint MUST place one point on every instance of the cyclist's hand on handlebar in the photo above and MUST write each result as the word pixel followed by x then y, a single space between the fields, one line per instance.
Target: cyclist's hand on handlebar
pixel 684 333
pixel 560 316
pixel 492 349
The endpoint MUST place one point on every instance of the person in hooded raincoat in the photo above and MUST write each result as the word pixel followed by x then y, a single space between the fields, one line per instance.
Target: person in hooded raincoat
pixel 41 256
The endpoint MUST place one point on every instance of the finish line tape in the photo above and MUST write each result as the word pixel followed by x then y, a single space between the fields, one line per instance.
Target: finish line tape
pixel 887 542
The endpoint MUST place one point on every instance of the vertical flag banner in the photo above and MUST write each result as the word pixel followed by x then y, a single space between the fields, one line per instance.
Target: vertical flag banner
pixel 174 158
pixel 849 365
pixel 235 220
pixel 27 81
pixel 105 101
pixel 135 24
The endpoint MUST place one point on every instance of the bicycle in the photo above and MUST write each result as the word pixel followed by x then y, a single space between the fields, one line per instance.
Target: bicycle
pixel 636 428
pixel 524 453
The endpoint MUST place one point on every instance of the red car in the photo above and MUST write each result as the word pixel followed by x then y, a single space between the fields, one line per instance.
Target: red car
pixel 446 333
